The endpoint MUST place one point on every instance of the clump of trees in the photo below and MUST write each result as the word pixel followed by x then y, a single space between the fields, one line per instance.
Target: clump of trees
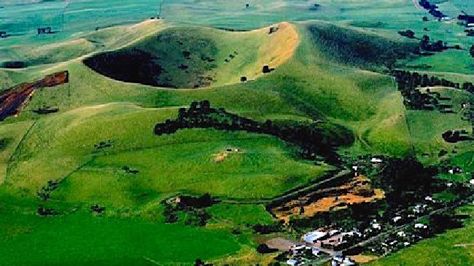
pixel 97 209
pixel 200 202
pixel 129 170
pixel 313 139
pixel 267 69
pixel 266 229
pixel 427 45
pixel 3 143
pixel 265 249
pixel 197 217
pixel 194 209
pixel 408 83
pixel 170 214
pixel 441 222
pixel 454 136
pixel 407 33
pixel 103 144
pixel 45 192
pixel 45 212
pixel 405 180
pixel 46 110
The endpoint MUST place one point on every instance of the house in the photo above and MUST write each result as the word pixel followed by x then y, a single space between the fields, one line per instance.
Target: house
pixel 314 236
pixel 430 199
pixel 419 208
pixel 397 219
pixel 376 160
pixel 297 248
pixel 315 251
pixel 348 262
pixel 342 261
pixel 401 234
pixel 375 225
pixel 333 232
pixel 293 262
pixel 455 170
pixel 420 226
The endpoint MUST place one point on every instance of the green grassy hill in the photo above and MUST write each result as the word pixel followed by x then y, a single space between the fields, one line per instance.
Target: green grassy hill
pixel 192 57
pixel 105 126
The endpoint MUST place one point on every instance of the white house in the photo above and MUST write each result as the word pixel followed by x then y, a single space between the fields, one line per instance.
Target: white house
pixel 376 160
pixel 420 226
pixel 292 262
pixel 314 236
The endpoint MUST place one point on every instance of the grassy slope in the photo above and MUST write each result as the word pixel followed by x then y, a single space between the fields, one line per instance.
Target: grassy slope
pixel 441 250
pixel 308 86
pixel 362 100
pixel 109 38
pixel 233 54
pixel 56 147
pixel 12 136
pixel 79 239
pixel 347 98
pixel 427 127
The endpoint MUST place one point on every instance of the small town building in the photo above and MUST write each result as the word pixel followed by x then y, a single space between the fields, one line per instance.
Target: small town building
pixel 420 226
pixel 314 236
pixel 401 234
pixel 376 160
pixel 292 262
pixel 297 248
pixel 315 251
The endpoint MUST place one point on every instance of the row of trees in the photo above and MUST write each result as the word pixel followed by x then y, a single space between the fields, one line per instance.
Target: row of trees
pixel 432 9
pixel 411 80
pixel 408 83
pixel 414 98
pixel 311 138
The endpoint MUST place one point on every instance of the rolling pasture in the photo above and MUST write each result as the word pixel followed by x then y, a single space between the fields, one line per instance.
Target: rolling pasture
pixel 100 148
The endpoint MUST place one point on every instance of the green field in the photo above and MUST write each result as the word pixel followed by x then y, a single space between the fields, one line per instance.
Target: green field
pixel 451 248
pixel 332 70
pixel 78 239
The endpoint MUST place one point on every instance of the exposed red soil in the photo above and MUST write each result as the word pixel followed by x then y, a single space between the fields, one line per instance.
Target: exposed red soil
pixel 356 191
pixel 14 99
